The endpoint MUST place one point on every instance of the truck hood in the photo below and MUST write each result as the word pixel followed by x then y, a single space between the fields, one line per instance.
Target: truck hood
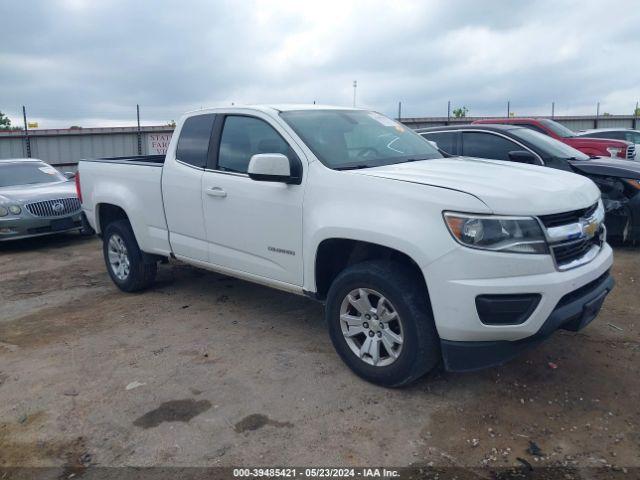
pixel 506 188
pixel 608 167
pixel 595 142
pixel 37 192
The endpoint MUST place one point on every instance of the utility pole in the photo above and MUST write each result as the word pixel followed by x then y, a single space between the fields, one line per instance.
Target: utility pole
pixel 355 86
pixel 139 132
pixel 553 109
pixel 27 141
pixel 508 108
pixel 448 112
pixel 635 117
pixel 400 111
pixel 595 122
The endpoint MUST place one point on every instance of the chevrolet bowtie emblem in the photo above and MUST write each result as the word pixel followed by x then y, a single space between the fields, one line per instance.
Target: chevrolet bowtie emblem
pixel 590 228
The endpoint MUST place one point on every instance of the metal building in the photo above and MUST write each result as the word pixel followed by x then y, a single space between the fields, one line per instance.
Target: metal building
pixel 65 147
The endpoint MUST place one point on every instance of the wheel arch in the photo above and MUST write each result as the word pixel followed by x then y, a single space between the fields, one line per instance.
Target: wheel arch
pixel 107 213
pixel 335 254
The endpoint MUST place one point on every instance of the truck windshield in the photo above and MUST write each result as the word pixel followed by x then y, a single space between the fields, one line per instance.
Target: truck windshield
pixel 345 139
pixel 558 128
pixel 28 173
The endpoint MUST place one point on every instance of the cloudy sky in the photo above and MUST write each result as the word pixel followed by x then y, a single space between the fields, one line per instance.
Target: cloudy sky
pixel 88 62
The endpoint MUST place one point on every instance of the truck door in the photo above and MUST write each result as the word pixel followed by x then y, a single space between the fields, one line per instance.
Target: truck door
pixel 252 226
pixel 182 188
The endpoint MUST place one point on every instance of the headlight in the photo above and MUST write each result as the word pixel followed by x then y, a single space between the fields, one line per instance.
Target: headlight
pixel 3 211
pixel 499 234
pixel 15 209
pixel 614 151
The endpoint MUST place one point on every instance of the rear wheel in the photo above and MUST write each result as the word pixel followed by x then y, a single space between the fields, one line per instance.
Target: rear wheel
pixel 381 324
pixel 124 260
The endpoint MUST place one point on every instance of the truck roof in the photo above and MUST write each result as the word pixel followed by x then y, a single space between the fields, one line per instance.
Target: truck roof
pixel 282 107
pixel 470 126
pixel 510 119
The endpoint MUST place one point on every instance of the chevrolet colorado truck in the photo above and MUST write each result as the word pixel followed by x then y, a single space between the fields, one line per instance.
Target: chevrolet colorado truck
pixel 420 260
pixel 594 147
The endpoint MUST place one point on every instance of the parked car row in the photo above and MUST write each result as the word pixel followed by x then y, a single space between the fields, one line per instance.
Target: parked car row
pixel 592 146
pixel 618 180
pixel 421 258
pixel 625 134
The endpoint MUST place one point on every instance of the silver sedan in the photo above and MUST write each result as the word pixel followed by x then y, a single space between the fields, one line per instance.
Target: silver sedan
pixel 36 199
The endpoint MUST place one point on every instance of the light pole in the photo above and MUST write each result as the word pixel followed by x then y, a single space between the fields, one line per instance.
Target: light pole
pixel 27 141
pixel 355 86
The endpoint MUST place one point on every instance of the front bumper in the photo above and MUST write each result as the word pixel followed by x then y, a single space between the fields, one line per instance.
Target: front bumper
pixel 458 279
pixel 573 312
pixel 15 228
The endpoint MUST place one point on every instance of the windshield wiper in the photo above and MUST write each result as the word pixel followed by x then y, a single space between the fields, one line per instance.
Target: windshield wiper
pixel 591 157
pixel 353 167
pixel 419 159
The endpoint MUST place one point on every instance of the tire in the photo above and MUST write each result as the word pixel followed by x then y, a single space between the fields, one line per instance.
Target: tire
pixel 403 294
pixel 129 271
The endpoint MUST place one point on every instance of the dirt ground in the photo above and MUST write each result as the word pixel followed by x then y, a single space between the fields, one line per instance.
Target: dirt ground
pixel 205 370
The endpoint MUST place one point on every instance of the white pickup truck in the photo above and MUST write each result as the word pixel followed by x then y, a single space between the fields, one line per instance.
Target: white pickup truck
pixel 419 259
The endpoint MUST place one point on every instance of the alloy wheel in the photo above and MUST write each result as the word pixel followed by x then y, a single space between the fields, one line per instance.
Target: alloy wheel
pixel 371 326
pixel 118 257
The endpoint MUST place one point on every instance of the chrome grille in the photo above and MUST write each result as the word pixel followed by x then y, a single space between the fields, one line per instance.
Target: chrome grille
pixel 54 208
pixel 575 237
pixel 631 152
pixel 566 218
pixel 566 253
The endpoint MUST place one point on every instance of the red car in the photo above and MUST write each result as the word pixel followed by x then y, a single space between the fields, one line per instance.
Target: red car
pixel 594 147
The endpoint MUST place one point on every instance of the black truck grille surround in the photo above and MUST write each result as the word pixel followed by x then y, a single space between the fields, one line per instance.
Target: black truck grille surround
pixel 566 218
pixel 54 208
pixel 631 152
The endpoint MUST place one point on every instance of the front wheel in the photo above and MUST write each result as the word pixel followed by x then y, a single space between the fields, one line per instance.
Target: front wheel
pixel 124 260
pixel 381 324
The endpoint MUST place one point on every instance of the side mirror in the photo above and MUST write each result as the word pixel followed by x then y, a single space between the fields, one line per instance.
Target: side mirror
pixel 69 175
pixel 270 167
pixel 523 156
pixel 433 144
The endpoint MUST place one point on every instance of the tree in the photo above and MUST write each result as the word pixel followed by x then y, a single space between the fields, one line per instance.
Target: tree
pixel 460 112
pixel 636 112
pixel 5 122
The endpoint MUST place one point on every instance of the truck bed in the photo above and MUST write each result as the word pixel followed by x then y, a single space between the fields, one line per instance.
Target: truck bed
pixel 150 160
pixel 133 184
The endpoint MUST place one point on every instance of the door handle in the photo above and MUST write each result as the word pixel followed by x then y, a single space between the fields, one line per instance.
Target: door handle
pixel 216 192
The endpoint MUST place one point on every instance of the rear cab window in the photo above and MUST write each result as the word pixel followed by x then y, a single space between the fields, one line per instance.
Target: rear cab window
pixel 195 137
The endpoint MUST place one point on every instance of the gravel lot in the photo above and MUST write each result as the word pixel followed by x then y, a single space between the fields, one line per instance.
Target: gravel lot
pixel 207 370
